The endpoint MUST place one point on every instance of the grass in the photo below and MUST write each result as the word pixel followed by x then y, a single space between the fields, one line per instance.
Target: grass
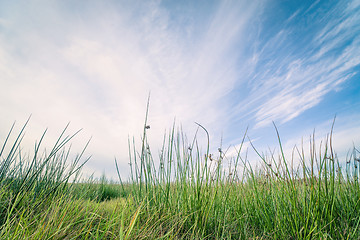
pixel 183 193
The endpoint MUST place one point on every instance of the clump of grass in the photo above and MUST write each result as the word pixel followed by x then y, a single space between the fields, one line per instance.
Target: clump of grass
pixel 41 198
pixel 278 201
pixel 182 193
pixel 29 182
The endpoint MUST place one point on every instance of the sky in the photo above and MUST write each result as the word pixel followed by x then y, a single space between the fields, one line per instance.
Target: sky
pixel 228 65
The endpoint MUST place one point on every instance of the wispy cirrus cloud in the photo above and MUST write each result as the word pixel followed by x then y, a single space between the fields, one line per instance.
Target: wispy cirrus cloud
pixel 297 79
pixel 217 63
pixel 95 65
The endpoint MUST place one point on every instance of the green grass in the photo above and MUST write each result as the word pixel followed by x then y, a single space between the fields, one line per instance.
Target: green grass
pixel 181 193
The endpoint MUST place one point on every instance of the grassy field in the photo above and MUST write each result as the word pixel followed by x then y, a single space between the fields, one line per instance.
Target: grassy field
pixel 184 194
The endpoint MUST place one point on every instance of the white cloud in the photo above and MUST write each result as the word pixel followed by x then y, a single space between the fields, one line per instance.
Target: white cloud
pixel 96 68
pixel 95 65
pixel 283 88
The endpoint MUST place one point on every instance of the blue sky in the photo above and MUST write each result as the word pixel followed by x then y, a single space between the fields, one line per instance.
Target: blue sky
pixel 228 65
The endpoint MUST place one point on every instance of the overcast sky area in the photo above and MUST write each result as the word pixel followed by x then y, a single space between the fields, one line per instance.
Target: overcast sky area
pixel 227 65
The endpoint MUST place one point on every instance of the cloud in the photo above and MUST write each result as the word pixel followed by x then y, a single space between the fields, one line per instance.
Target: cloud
pixel 288 80
pixel 95 65
pixel 287 106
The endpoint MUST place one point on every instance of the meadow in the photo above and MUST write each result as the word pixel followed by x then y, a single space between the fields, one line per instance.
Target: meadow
pixel 179 193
